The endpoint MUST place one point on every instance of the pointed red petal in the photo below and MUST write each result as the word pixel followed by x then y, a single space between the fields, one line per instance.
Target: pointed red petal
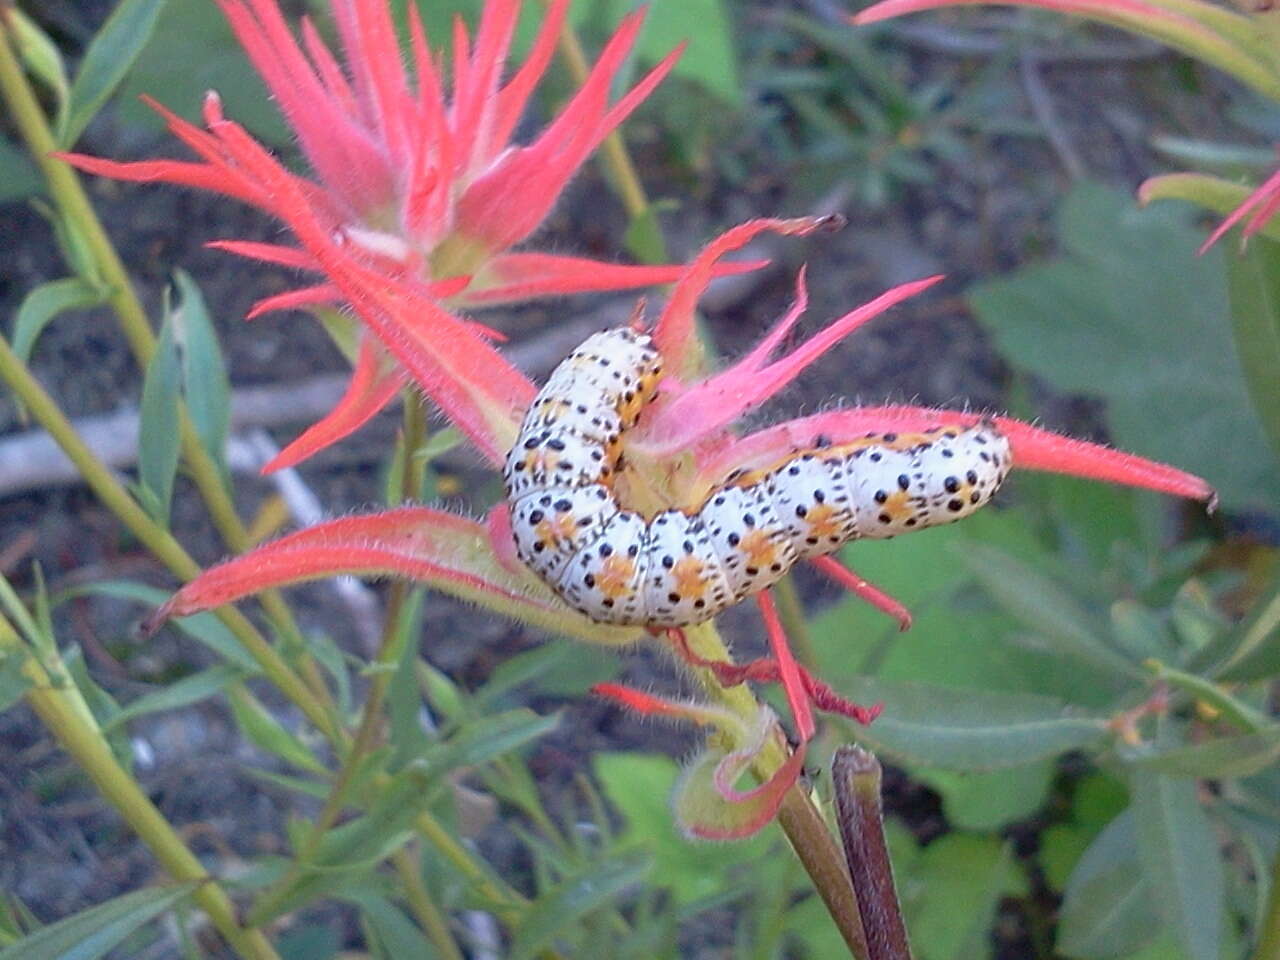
pixel 1033 448
pixel 443 550
pixel 199 175
pixel 712 405
pixel 788 669
pixel 674 331
pixel 295 300
pixel 523 276
pixel 266 252
pixel 865 589
pixel 477 388
pixel 375 381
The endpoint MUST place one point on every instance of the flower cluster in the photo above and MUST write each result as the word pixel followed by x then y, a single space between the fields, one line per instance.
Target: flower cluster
pixel 415 205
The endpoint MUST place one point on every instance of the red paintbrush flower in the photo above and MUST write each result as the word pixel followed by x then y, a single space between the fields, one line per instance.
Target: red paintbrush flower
pixel 681 448
pixel 418 186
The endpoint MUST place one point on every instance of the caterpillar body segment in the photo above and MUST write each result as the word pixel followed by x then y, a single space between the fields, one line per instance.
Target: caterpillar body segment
pixel 680 568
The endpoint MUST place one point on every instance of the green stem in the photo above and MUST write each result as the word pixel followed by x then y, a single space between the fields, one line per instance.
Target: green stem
pixel 73 204
pixel 617 162
pixel 58 709
pixel 156 539
pixel 800 820
pixel 791 613
pixel 429 915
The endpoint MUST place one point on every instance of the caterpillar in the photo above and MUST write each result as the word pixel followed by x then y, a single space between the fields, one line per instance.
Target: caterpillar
pixel 679 567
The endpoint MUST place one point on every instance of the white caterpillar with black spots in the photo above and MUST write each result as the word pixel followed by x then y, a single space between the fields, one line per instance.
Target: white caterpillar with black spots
pixel 679 568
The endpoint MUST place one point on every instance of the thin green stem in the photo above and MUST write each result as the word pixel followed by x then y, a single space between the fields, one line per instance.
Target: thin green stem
pixel 76 210
pixel 429 915
pixel 156 539
pixel 800 820
pixel 58 707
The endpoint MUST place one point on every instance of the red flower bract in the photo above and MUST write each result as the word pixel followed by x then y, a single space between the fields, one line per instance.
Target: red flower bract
pixel 684 437
pixel 420 188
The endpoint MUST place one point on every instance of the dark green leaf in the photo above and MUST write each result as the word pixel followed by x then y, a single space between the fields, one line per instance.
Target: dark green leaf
pixel 1180 861
pixel 19 176
pixel 1253 284
pixel 158 433
pixel 990 801
pixel 1107 909
pixel 192 51
pixel 705 26
pixel 13 682
pixel 1238 756
pixel 482 740
pixel 954 728
pixel 109 57
pixel 204 375
pixel 1129 311
pixel 567 903
pixel 44 303
pixel 395 936
pixel 1045 607
pixel 91 933
pixel 265 732
pixel 961 879
pixel 180 693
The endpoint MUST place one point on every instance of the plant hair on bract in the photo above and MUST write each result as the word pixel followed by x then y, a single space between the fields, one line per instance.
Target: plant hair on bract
pixel 680 568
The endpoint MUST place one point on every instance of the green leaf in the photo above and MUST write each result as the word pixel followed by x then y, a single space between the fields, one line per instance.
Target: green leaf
pixel 961 729
pixel 192 50
pixel 639 786
pixel 204 374
pixel 265 732
pixel 564 906
pixel 158 433
pixel 393 933
pixel 1045 607
pixel 1250 651
pixel 990 801
pixel 44 303
pixel 1180 861
pixel 1220 758
pixel 92 933
pixel 705 26
pixel 111 53
pixel 19 177
pixel 39 55
pixel 1128 311
pixel 482 740
pixel 180 693
pixel 1107 909
pixel 1253 286
pixel 953 892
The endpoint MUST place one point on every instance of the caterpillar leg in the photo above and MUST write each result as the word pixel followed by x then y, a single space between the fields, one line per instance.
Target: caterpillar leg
pixel 863 588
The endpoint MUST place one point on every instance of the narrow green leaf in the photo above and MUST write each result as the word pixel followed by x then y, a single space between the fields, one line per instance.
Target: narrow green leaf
pixel 14 684
pixel 488 737
pixel 110 55
pixel 309 788
pixel 39 55
pixel 43 304
pixel 266 733
pixel 1253 287
pixel 1044 607
pixel 569 901
pixel 395 935
pixel 1250 651
pixel 1180 861
pixel 1223 757
pixel 1107 909
pixel 956 728
pixel 158 434
pixel 90 933
pixel 204 374
pixel 181 693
